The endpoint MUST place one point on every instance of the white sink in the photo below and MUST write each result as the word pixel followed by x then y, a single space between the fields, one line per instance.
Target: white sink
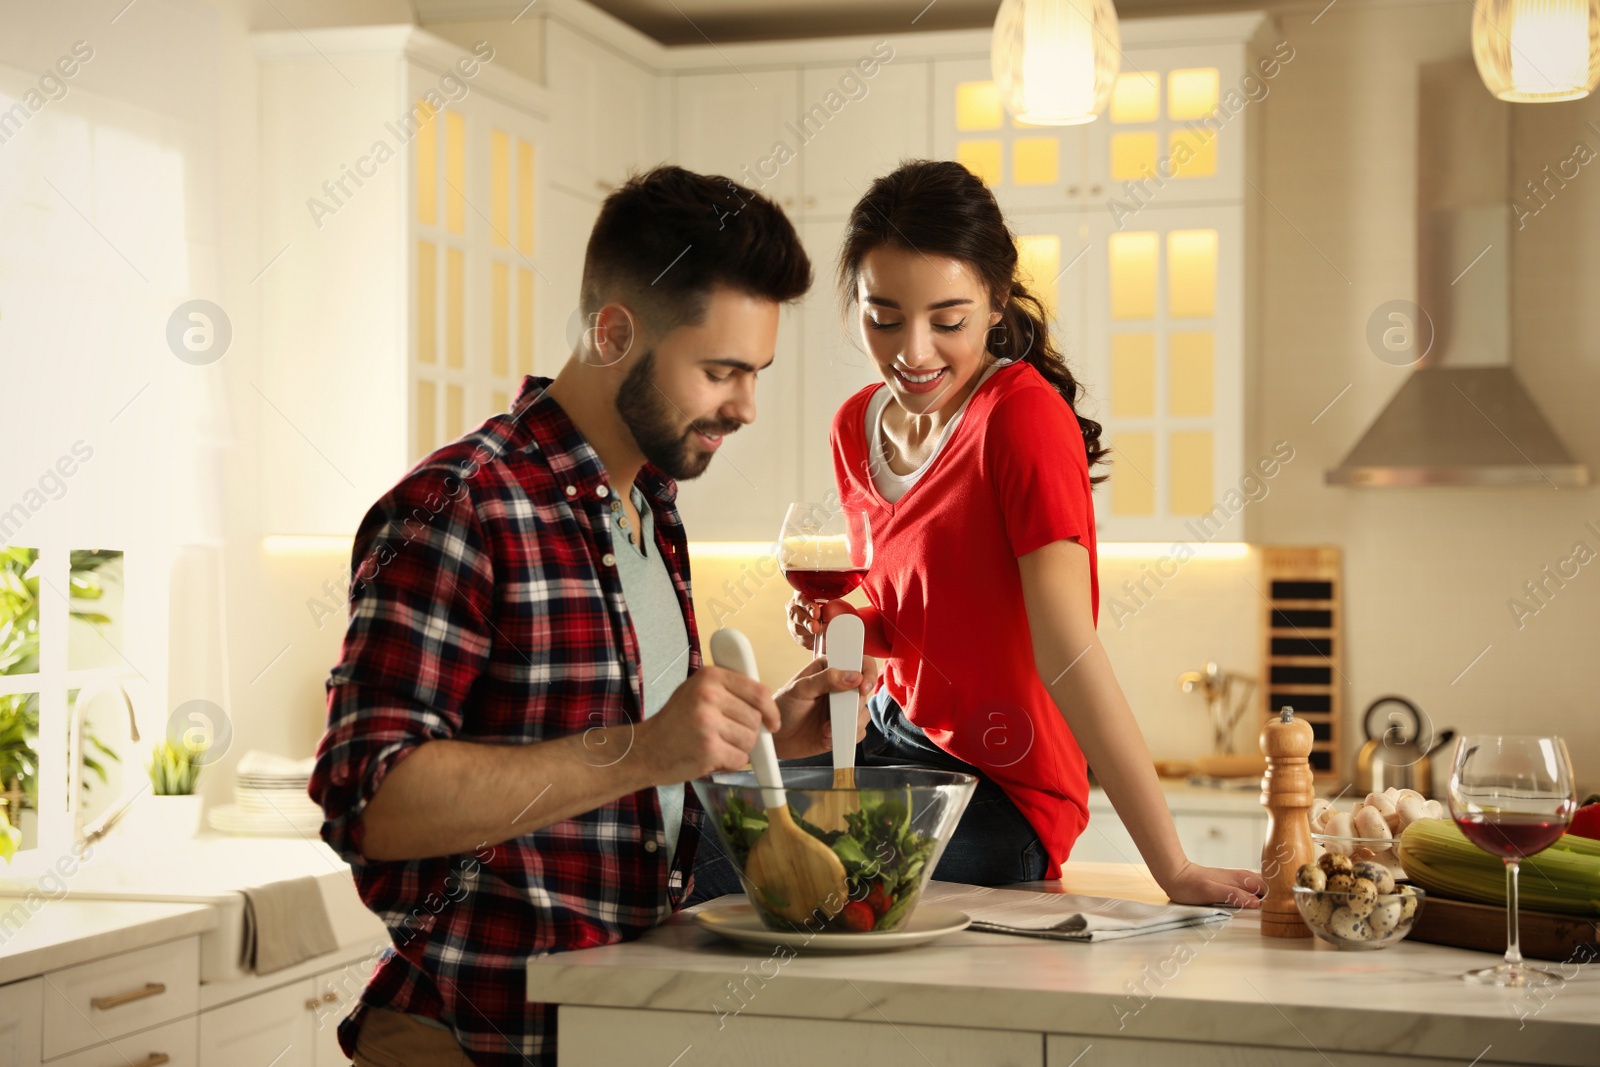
pixel 213 869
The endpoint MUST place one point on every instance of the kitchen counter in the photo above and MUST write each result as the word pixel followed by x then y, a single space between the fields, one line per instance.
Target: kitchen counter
pixel 1262 1001
pixel 201 878
pixel 63 933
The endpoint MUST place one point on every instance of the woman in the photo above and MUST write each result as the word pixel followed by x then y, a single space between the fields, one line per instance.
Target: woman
pixel 974 470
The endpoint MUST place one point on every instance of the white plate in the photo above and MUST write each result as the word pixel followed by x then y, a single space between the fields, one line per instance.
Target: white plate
pixel 739 922
pixel 231 820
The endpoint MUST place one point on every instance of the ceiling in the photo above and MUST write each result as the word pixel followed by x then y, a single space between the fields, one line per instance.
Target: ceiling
pixel 699 21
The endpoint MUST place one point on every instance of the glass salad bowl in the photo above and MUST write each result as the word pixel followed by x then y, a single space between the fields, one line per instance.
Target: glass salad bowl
pixel 888 834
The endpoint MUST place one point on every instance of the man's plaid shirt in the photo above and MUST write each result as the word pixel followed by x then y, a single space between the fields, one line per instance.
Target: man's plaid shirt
pixel 485 606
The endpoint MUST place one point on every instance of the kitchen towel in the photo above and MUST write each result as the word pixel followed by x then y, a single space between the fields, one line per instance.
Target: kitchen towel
pixel 285 923
pixel 1065 916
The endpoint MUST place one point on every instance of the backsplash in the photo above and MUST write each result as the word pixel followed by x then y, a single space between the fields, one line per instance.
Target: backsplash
pixel 1154 628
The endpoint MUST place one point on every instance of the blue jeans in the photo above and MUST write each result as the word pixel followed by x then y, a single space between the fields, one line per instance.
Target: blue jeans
pixel 994 844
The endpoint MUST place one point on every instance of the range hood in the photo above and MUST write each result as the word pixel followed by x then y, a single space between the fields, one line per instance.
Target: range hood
pixel 1462 417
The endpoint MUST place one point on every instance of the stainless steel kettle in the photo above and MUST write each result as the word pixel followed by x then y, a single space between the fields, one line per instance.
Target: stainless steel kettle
pixel 1395 754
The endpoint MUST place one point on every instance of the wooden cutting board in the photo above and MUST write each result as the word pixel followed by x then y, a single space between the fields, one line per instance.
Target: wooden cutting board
pixel 1543 935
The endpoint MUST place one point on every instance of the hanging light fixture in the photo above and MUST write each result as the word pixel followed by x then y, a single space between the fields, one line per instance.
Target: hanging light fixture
pixel 1054 61
pixel 1537 51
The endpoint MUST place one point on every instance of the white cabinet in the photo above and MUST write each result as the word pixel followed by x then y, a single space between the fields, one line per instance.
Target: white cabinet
pixel 336 993
pixel 835 364
pixel 1178 128
pixel 398 309
pixel 277 1027
pixel 1164 313
pixel 637 1035
pixel 1223 840
pixel 743 126
pixel 755 475
pixel 1216 832
pixel 106 999
pixel 568 219
pixel 169 1045
pixel 857 127
pixel 1027 167
pixel 21 1008
pixel 605 123
pixel 1143 213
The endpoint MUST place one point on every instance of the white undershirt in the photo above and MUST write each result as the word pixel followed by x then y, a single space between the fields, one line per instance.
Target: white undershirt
pixel 892 486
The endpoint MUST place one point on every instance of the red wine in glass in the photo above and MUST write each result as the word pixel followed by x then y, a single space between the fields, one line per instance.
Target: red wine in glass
pixel 1512 836
pixel 1513 797
pixel 825 585
pixel 825 551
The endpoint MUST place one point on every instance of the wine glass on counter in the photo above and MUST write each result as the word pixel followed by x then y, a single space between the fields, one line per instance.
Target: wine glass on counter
pixel 1513 797
pixel 824 550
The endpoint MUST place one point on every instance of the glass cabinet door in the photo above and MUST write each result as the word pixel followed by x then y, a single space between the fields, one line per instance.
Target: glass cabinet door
pixel 1174 131
pixel 1027 167
pixel 1164 320
pixel 474 214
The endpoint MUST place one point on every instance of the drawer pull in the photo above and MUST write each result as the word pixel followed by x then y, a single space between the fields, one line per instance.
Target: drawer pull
pixel 330 998
pixel 155 1059
pixel 151 989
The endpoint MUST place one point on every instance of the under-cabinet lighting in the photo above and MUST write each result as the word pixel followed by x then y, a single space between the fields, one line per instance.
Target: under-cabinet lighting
pixel 306 544
pixel 1157 549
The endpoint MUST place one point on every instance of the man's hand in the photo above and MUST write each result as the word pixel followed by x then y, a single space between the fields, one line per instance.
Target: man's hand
pixel 803 704
pixel 708 724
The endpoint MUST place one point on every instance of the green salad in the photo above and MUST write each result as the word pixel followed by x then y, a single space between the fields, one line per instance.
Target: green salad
pixel 883 858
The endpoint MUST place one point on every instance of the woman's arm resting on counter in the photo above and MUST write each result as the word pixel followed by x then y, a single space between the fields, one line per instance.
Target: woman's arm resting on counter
pixel 1074 668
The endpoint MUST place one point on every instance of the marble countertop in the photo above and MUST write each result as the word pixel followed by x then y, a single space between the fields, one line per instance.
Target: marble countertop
pixel 1224 984
pixel 128 894
pixel 62 933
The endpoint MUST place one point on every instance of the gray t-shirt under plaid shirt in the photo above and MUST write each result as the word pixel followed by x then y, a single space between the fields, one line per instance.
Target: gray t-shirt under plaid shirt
pixel 663 638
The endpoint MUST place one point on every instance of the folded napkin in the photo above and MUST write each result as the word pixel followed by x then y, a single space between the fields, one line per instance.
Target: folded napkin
pixel 285 923
pixel 1065 916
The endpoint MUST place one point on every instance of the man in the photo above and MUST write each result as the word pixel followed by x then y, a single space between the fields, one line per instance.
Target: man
pixel 520 698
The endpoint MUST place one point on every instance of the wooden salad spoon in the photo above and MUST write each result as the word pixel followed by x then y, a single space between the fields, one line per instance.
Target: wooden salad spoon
pixel 796 873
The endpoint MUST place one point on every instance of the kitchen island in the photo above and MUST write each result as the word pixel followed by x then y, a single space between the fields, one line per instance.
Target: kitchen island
pixel 1216 995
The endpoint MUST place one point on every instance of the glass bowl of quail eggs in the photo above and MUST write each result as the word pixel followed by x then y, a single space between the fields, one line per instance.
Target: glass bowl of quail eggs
pixel 1355 904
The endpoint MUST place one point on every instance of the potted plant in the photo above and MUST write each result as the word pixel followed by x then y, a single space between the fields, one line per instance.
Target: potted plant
pixel 172 809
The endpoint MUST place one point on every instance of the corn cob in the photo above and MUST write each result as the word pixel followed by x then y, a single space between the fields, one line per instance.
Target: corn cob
pixel 1564 877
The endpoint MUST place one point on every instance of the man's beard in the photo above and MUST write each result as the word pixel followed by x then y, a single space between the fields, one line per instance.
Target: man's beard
pixel 655 422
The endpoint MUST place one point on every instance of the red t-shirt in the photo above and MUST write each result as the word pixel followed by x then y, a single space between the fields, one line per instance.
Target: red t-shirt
pixel 1013 477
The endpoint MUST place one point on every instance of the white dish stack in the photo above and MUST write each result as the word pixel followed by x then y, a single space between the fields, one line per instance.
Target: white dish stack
pixel 270 798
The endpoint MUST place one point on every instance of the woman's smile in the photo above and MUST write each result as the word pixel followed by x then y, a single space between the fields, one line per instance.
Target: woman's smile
pixel 920 382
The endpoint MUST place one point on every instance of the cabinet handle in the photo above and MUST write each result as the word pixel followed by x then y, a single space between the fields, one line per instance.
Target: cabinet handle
pixel 1094 190
pixel 311 1005
pixel 155 1059
pixel 811 201
pixel 603 185
pixel 151 989
pixel 1072 190
pixel 329 998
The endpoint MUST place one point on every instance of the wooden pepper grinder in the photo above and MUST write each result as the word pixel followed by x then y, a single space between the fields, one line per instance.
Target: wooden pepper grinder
pixel 1286 792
